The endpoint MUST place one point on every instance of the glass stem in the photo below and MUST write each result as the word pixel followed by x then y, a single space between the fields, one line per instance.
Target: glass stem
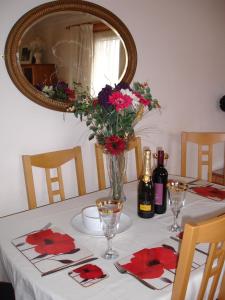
pixel 175 219
pixel 109 244
pixel 175 216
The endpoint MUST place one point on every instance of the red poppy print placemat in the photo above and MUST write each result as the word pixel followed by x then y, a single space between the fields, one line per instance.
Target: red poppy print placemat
pixel 50 249
pixel 88 274
pixel 157 264
pixel 207 190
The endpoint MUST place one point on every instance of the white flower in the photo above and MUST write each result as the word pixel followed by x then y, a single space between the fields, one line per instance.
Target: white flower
pixel 135 99
pixel 47 89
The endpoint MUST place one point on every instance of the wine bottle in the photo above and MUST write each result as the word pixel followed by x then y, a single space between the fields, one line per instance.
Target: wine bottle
pixel 146 189
pixel 160 178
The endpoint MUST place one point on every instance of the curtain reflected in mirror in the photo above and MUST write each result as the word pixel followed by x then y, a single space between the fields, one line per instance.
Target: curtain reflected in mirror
pixel 109 60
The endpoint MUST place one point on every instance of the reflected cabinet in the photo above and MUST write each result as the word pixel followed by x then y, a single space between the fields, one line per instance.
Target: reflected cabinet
pixel 39 73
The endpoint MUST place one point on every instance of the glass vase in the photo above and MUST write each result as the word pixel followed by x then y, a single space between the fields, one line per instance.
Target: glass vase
pixel 116 165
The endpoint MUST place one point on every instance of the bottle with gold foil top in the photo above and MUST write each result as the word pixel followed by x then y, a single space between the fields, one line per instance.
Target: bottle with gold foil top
pixel 145 205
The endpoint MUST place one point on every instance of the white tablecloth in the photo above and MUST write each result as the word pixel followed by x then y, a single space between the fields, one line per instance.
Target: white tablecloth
pixel 28 282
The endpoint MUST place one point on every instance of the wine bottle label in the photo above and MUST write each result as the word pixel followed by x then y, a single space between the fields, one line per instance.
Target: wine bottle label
pixel 158 193
pixel 145 207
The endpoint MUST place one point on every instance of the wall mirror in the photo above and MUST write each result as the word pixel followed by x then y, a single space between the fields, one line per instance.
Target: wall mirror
pixel 62 42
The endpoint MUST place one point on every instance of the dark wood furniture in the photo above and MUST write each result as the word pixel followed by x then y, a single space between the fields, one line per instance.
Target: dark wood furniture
pixel 39 73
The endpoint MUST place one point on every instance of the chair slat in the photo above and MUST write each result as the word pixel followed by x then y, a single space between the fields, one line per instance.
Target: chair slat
pixel 203 139
pixel 54 179
pixel 210 231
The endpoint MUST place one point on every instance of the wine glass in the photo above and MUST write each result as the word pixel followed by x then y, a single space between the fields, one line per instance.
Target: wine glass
pixel 176 196
pixel 109 212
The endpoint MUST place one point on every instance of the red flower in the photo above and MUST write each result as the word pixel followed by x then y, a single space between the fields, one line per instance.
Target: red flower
pixel 89 271
pixel 150 263
pixel 144 85
pixel 115 144
pixel 70 93
pixel 49 242
pixel 209 191
pixel 95 102
pixel 120 101
pixel 143 100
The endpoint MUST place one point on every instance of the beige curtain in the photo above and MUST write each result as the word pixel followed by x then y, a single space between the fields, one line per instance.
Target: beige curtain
pixel 81 54
pixel 73 54
pixel 106 62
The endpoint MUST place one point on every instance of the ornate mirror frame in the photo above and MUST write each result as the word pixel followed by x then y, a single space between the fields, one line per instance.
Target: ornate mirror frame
pixel 32 16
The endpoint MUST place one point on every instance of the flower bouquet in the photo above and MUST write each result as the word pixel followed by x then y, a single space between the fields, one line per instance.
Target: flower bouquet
pixel 113 114
pixel 59 91
pixel 111 117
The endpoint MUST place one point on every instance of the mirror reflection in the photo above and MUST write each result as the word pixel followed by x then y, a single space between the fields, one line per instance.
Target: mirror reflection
pixel 71 46
pixel 59 43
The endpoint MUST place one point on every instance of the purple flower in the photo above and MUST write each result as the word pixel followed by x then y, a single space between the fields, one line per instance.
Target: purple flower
pixel 122 85
pixel 39 86
pixel 103 96
pixel 61 85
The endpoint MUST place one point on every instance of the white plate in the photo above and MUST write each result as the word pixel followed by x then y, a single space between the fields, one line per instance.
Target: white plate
pixel 77 224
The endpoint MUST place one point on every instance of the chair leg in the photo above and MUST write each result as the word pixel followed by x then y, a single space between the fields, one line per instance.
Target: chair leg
pixel 6 291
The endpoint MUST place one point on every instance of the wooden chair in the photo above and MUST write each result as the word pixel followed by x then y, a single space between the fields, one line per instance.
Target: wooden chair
pixel 218 176
pixel 6 291
pixel 135 144
pixel 212 232
pixel 202 139
pixel 52 160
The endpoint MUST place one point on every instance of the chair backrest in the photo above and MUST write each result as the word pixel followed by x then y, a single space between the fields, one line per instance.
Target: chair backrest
pixel 48 161
pixel 212 232
pixel 202 139
pixel 134 143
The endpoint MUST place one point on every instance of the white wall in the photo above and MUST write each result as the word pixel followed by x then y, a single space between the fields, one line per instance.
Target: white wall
pixel 181 53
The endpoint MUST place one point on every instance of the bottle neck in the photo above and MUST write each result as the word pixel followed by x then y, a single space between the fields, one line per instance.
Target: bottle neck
pixel 160 158
pixel 147 172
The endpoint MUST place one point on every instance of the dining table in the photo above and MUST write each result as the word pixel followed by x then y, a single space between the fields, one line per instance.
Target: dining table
pixel 31 281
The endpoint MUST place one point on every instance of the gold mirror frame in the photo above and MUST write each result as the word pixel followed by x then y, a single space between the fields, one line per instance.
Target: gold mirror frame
pixel 32 16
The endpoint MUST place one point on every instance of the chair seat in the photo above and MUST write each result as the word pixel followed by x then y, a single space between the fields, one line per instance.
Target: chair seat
pixel 218 176
pixel 6 291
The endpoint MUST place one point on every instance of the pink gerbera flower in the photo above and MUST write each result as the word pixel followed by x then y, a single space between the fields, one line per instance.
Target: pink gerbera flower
pixel 120 101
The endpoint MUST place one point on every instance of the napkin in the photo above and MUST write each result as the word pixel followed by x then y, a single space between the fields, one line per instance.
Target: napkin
pixel 157 264
pixel 88 274
pixel 209 192
pixel 50 249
